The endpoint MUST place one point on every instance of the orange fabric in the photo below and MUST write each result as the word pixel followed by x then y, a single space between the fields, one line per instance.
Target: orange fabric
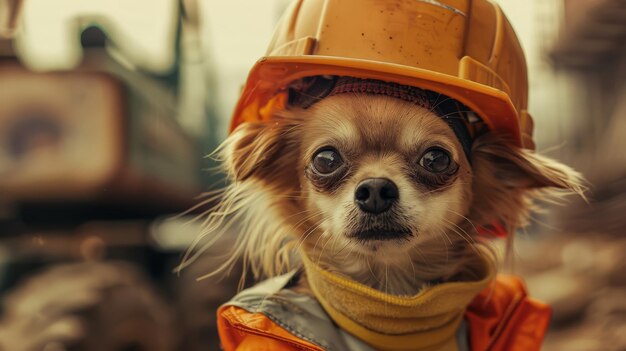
pixel 241 330
pixel 500 318
pixel 503 317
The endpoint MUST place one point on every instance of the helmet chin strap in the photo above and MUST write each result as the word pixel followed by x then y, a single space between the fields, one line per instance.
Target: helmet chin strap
pixel 463 122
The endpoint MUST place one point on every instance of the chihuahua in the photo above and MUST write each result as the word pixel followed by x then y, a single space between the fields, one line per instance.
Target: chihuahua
pixel 377 186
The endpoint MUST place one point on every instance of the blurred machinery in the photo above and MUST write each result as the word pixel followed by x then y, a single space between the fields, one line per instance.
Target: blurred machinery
pixel 87 136
pixel 101 134
pixel 579 269
pixel 592 49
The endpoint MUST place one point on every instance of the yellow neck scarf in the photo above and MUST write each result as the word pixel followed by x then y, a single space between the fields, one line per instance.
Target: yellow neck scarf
pixel 427 321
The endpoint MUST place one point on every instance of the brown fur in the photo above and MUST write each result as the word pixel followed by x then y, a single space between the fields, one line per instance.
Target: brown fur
pixel 508 179
pixel 282 210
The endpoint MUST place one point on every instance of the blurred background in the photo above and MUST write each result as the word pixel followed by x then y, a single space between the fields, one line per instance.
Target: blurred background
pixel 108 108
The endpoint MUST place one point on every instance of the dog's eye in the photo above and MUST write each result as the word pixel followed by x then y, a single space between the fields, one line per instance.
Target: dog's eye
pixel 327 161
pixel 435 160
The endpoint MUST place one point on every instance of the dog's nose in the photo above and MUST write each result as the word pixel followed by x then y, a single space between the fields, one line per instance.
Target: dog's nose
pixel 376 195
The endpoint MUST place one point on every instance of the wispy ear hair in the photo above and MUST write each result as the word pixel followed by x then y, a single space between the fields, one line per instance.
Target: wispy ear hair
pixel 508 178
pixel 257 158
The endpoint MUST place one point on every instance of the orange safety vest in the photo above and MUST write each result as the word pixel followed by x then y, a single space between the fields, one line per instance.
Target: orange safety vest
pixel 501 318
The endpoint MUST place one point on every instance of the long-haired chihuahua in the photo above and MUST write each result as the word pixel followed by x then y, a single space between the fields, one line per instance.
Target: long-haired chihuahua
pixel 376 185
pixel 379 185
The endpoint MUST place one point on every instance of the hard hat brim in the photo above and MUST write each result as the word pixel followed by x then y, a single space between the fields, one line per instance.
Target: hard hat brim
pixel 271 75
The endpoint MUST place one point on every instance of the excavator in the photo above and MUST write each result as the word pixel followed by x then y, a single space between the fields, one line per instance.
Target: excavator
pixel 105 116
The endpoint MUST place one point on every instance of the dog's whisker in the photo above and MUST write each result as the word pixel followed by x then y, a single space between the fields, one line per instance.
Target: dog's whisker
pixel 412 264
pixel 444 236
pixel 307 234
pixel 446 187
pixel 469 221
pixel 319 258
pixel 437 103
pixel 317 242
pixel 460 231
pixel 369 266
pixel 305 219
pixel 386 283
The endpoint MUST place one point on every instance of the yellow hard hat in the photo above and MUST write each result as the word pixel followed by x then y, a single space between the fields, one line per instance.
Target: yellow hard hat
pixel 464 49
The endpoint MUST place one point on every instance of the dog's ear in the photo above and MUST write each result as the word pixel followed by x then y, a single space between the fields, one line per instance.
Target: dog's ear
pixel 263 150
pixel 507 178
pixel 518 168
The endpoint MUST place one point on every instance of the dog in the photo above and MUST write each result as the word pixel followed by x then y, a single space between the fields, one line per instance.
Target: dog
pixel 374 148
pixel 377 189
pixel 382 185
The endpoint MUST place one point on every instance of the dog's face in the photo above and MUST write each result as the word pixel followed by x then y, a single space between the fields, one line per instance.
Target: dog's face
pixel 368 182
pixel 383 174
